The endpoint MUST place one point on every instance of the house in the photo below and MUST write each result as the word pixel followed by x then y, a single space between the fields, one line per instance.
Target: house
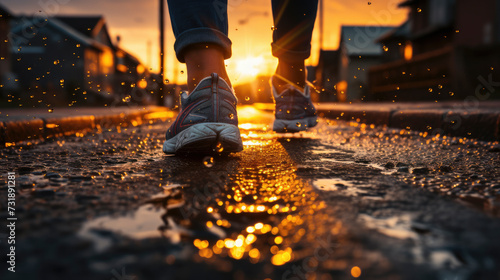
pixel 133 80
pixel 358 51
pixel 327 75
pixel 396 43
pixel 60 65
pixel 91 26
pixel 440 52
pixel 72 60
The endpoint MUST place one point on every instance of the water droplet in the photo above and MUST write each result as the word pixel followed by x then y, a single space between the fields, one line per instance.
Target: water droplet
pixel 385 48
pixel 288 111
pixel 369 3
pixel 356 272
pixel 126 98
pixel 231 116
pixel 430 89
pixel 182 72
pixel 419 10
pixel 440 86
pixel 247 98
pixel 208 161
pixel 167 81
pixel 273 28
pixel 219 148
pixel 298 124
pixel 51 110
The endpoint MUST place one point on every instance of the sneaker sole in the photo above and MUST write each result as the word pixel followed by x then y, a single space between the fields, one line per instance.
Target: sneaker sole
pixel 284 126
pixel 205 138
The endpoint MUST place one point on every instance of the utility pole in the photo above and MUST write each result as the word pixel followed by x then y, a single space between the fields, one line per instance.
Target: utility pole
pixel 162 52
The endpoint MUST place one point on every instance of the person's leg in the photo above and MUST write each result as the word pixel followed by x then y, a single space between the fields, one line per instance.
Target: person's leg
pixel 207 121
pixel 200 28
pixel 293 27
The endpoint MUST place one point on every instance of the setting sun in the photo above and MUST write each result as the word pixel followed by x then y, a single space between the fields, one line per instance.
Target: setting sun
pixel 250 67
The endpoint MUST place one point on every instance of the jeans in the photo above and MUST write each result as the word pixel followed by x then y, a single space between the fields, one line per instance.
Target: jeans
pixel 196 22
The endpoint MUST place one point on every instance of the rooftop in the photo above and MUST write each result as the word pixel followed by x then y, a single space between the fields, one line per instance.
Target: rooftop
pixel 362 39
pixel 402 31
pixel 83 24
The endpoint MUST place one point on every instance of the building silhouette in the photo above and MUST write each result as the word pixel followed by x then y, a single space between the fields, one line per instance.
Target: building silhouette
pixel 447 49
pixel 342 75
pixel 71 61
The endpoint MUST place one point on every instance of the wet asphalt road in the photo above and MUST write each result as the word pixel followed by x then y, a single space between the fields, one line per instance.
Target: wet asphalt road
pixel 338 202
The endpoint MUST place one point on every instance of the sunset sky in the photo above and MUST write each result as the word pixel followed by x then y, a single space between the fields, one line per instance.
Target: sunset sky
pixel 250 24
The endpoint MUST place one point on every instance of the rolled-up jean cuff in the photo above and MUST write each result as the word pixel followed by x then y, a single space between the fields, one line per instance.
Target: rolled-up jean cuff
pixel 289 55
pixel 201 35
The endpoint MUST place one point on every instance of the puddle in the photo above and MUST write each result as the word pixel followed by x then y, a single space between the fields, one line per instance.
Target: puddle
pixel 320 150
pixel 345 188
pixel 140 224
pixel 428 243
pixel 399 227
pixel 445 259
pixel 332 184
pixel 262 213
pixel 35 181
pixel 253 126
pixel 271 136
pixel 349 160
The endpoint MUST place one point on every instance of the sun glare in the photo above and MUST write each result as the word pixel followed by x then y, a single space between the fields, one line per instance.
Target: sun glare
pixel 250 66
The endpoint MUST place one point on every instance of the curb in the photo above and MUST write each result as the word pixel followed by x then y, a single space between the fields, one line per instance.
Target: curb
pixel 40 129
pixel 482 125
pixel 478 124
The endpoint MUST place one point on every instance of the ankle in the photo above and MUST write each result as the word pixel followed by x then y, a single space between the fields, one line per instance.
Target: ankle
pixel 201 62
pixel 292 72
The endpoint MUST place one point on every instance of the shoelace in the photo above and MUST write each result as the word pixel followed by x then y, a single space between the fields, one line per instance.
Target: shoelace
pixel 290 84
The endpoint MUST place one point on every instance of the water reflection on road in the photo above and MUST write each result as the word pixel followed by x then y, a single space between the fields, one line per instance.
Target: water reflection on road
pixel 251 212
pixel 253 208
pixel 262 212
